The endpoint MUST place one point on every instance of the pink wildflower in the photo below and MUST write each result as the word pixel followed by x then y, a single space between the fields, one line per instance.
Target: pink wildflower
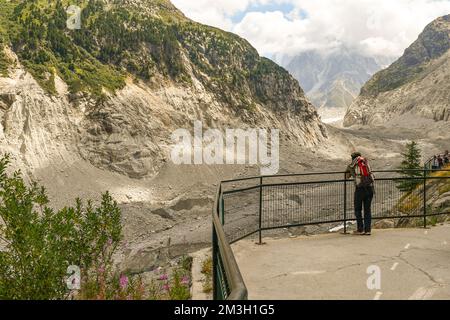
pixel 185 280
pixel 163 277
pixel 123 281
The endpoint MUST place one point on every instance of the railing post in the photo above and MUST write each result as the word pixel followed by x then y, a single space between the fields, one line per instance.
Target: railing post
pixel 425 198
pixel 260 209
pixel 215 250
pixel 222 210
pixel 219 211
pixel 345 203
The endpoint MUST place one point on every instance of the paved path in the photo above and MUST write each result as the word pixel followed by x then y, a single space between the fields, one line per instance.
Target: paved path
pixel 413 264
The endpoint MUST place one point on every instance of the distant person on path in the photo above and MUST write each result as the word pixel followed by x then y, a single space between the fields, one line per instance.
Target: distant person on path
pixel 440 161
pixel 435 163
pixel 446 158
pixel 360 170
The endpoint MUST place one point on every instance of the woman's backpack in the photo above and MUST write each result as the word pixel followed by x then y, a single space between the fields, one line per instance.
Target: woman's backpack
pixel 367 178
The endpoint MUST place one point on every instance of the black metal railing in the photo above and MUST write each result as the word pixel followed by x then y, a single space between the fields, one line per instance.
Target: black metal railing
pixel 227 278
pixel 251 206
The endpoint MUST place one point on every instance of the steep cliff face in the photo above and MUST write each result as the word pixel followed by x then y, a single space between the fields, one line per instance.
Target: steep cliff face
pixel 417 83
pixel 112 92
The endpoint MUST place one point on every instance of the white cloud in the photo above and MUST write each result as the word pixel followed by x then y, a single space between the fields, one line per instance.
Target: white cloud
pixel 374 27
pixel 216 13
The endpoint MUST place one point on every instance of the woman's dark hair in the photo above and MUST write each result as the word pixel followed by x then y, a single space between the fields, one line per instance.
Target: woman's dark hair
pixel 356 155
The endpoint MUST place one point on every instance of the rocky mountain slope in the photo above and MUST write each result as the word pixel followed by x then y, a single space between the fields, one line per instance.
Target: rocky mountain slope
pixel 416 84
pixel 334 79
pixel 112 92
pixel 87 110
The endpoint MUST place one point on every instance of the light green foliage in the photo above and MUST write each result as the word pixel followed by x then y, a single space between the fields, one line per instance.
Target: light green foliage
pixel 46 47
pixel 207 270
pixel 40 243
pixel 108 286
pixel 111 42
pixel 445 188
pixel 4 62
pixel 177 289
pixel 5 26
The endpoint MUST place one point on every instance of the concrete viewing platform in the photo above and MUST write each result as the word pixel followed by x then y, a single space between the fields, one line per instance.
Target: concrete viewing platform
pixel 412 264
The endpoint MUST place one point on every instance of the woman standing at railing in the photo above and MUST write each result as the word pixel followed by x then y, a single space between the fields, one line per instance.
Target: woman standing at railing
pixel 360 170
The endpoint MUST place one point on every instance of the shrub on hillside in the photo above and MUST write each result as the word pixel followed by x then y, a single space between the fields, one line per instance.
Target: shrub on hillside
pixel 39 246
pixel 39 243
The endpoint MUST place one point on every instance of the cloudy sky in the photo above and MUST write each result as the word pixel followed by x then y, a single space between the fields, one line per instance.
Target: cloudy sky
pixel 286 27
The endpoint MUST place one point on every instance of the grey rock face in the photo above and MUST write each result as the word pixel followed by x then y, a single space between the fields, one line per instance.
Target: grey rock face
pixel 130 132
pixel 417 84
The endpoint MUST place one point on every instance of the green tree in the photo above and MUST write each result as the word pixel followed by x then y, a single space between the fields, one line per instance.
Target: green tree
pixel 410 168
pixel 38 244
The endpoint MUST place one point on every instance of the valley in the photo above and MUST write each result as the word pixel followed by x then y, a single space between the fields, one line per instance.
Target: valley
pixel 169 215
pixel 81 114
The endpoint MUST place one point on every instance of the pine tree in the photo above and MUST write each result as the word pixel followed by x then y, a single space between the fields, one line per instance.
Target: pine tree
pixel 411 168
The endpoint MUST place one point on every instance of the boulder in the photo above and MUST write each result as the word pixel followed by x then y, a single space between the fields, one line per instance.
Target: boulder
pixel 442 202
pixel 384 224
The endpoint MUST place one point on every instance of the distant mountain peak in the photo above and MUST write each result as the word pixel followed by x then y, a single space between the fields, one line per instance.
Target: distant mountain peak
pixel 332 79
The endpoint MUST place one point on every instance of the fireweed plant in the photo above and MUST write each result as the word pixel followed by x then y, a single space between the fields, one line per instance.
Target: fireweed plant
pixel 38 244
